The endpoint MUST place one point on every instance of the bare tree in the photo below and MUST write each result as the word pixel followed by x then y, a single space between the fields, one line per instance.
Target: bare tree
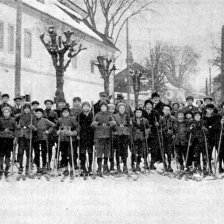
pixel 106 67
pixel 59 50
pixel 155 63
pixel 115 13
pixel 217 60
pixel 179 62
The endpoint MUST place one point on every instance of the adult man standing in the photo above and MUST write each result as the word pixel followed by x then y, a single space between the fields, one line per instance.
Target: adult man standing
pixel 17 109
pixel 103 97
pixel 190 106
pixel 157 103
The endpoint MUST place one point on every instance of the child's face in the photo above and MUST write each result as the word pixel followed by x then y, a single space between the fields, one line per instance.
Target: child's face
pixel 148 106
pixel 26 110
pixel 166 111
pixel 188 116
pixel 18 102
pixel 104 108
pixel 180 116
pixel 6 114
pixel 39 114
pixel 197 117
pixel 199 103
pixel 65 113
pixel 209 110
pixel 189 102
pixel 61 104
pixel 48 105
pixel 138 113
pixel 175 106
pixel 5 99
pixel 86 108
pixel 156 99
pixel 111 110
pixel 76 103
pixel 208 101
pixel 35 106
pixel 121 109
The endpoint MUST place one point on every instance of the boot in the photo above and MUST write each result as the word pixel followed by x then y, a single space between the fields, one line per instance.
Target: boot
pixel 152 166
pixel 66 172
pixel 118 168
pixel 169 169
pixel 89 169
pixel 138 169
pixel 146 166
pixel 105 169
pixel 112 166
pixel 181 167
pixel 125 169
pixel 133 167
pixel 99 169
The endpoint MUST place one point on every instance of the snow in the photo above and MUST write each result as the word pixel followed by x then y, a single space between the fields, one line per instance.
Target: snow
pixel 151 199
pixel 50 8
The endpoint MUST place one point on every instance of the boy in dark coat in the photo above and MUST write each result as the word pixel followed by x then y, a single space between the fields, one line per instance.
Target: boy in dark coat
pixel 25 127
pixel 153 140
pixel 103 121
pixel 44 127
pixel 167 124
pixel 76 107
pixel 181 137
pixel 140 134
pixel 17 109
pixel 68 127
pixel 7 135
pixel 85 119
pixel 198 131
pixel 122 135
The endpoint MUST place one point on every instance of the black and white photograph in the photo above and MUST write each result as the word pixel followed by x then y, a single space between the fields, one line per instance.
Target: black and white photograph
pixel 111 111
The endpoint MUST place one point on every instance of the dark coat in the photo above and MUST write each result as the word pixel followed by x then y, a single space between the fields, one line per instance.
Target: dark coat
pixel 181 132
pixel 159 107
pixel 190 108
pixel 122 124
pixel 140 129
pixel 51 115
pixel 7 127
pixel 17 110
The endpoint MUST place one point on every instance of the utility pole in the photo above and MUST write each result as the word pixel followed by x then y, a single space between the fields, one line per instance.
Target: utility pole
pixel 18 47
pixel 206 87
pixel 210 81
pixel 222 64
pixel 128 65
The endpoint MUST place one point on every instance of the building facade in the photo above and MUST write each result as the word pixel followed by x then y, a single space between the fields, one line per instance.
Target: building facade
pixel 38 79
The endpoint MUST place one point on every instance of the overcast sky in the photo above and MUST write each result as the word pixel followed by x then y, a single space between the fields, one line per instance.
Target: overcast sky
pixel 183 22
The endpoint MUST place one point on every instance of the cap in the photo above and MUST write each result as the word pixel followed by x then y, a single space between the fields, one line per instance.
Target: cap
pixel 190 98
pixel 120 96
pixel 39 110
pixel 208 98
pixel 85 103
pixel 65 108
pixel 210 106
pixel 138 109
pixel 77 99
pixel 148 101
pixel 35 102
pixel 103 103
pixel 18 98
pixel 51 101
pixel 155 95
pixel 5 95
pixel 103 94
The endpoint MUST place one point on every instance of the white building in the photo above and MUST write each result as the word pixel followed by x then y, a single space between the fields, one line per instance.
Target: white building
pixel 38 74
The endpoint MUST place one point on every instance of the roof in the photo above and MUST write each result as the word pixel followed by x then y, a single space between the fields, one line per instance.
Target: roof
pixel 67 15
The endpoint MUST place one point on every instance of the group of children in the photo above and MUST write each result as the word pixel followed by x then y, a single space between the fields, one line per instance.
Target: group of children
pixel 157 129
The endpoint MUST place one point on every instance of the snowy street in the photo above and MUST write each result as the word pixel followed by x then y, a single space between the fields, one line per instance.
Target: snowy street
pixel 151 199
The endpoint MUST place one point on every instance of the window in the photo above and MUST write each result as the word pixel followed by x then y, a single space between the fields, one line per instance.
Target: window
pixel 74 62
pixel 42 1
pixel 27 44
pixel 92 66
pixel 1 35
pixel 11 38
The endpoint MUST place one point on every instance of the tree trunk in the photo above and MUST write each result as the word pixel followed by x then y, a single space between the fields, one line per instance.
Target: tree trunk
pixel 106 85
pixel 136 99
pixel 59 94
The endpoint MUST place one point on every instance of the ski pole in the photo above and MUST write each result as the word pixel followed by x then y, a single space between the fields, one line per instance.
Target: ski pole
pixel 78 152
pixel 72 153
pixel 13 153
pixel 188 148
pixel 219 146
pixel 48 159
pixel 94 147
pixel 56 161
pixel 30 149
pixel 207 155
pixel 146 144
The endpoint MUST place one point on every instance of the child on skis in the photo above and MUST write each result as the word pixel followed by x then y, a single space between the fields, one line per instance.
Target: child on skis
pixel 68 128
pixel 122 135
pixel 141 131
pixel 86 137
pixel 7 136
pixel 102 123
pixel 167 125
pixel 44 127
pixel 180 141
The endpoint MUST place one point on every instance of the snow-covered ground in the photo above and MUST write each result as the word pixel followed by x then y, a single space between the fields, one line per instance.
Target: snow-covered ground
pixel 151 199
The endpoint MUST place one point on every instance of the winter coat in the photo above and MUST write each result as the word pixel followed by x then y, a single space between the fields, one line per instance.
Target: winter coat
pixel 96 107
pixel 167 124
pixel 102 123
pixel 198 132
pixel 7 127
pixel 43 125
pixel 17 110
pixel 140 129
pixel 86 132
pixel 63 124
pixel 159 108
pixel 51 115
pixel 181 132
pixel 24 120
pixel 122 124
pixel 75 112
pixel 190 108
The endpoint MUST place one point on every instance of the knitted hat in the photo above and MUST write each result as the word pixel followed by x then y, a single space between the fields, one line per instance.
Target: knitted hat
pixel 27 105
pixel 103 103
pixel 181 112
pixel 189 112
pixel 111 106
pixel 48 101
pixel 39 110
pixel 121 104
pixel 85 103
pixel 148 101
pixel 65 108
pixel 6 108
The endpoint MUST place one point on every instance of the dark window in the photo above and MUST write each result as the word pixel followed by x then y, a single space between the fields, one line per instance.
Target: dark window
pixel 27 44
pixel 11 38
pixel 1 35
